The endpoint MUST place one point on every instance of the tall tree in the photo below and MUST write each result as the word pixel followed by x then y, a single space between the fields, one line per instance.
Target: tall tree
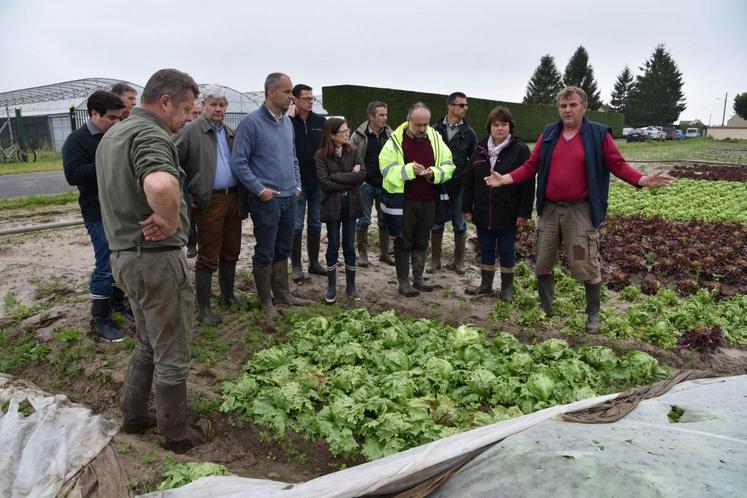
pixel 657 97
pixel 545 83
pixel 579 73
pixel 619 99
pixel 740 105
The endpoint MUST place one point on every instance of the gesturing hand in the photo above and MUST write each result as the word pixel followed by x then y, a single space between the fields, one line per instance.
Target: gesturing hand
pixel 655 180
pixel 156 228
pixel 496 179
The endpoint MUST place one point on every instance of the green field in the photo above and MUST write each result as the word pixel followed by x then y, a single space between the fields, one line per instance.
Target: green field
pixel 694 149
pixel 37 167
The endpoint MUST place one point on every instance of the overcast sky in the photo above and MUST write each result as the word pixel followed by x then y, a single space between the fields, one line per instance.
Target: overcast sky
pixel 484 48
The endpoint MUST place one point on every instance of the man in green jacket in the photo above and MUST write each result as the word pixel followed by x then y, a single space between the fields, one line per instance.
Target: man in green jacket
pixel 413 161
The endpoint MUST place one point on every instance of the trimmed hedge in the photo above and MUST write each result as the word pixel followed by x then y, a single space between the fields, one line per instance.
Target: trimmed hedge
pixel 351 101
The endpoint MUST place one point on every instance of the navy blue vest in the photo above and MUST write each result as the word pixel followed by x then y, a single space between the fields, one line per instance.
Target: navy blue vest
pixel 593 136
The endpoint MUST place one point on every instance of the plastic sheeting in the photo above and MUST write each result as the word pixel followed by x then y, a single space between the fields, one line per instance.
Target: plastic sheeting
pixel 45 447
pixel 644 454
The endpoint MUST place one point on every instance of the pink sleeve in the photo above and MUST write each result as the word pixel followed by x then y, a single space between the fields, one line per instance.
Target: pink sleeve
pixel 615 162
pixel 530 166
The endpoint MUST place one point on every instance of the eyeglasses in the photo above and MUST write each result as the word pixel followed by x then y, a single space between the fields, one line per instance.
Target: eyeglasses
pixel 346 130
pixel 463 106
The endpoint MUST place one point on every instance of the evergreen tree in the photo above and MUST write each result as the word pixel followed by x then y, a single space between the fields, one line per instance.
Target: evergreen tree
pixel 545 83
pixel 657 97
pixel 579 73
pixel 740 105
pixel 621 92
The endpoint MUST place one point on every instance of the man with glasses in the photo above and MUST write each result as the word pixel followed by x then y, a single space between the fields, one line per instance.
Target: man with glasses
pixel 308 132
pixel 461 139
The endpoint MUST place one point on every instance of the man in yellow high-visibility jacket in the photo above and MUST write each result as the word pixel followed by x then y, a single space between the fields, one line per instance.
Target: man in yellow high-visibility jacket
pixel 413 162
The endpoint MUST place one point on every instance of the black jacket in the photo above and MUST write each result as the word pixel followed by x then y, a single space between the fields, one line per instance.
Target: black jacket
pixel 335 177
pixel 461 146
pixel 308 137
pixel 497 208
pixel 79 164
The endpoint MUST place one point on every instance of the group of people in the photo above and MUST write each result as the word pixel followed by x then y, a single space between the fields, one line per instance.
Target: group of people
pixel 284 162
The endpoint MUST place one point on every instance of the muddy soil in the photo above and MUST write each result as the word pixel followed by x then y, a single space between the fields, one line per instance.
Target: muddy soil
pixel 45 288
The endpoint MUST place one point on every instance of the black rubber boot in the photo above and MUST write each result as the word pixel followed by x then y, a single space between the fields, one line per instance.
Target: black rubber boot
pixel 361 239
pixel 171 410
pixel 121 305
pixel 593 298
pixel 402 264
pixel 384 255
pixel 418 265
pixel 486 284
pixel 331 295
pixel 545 289
pixel 226 281
pixel 350 284
pixel 101 311
pixel 203 289
pixel 136 418
pixel 437 240
pixel 460 246
pixel 313 240
pixel 507 286
pixel 279 283
pixel 262 282
pixel 296 266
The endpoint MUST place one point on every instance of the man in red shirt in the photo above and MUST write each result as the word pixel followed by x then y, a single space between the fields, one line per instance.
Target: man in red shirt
pixel 573 159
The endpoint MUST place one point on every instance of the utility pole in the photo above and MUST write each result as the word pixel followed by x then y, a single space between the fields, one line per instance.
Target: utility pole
pixel 723 116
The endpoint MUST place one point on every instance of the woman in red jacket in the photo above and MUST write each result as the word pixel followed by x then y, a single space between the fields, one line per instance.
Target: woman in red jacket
pixel 340 171
pixel 497 212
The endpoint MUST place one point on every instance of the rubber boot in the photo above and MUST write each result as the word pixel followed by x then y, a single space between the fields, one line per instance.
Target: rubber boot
pixel 437 240
pixel 226 281
pixel 171 410
pixel 350 284
pixel 507 285
pixel 296 267
pixel 101 311
pixel 262 282
pixel 120 304
pixel 402 264
pixel 361 238
pixel 203 289
pixel 331 295
pixel 279 283
pixel 545 289
pixel 486 283
pixel 136 419
pixel 313 240
pixel 593 297
pixel 384 255
pixel 418 265
pixel 460 243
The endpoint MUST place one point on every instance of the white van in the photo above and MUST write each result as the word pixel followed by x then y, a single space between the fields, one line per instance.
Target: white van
pixel 692 133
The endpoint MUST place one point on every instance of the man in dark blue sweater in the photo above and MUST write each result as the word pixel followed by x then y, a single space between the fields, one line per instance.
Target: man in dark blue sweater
pixel 78 159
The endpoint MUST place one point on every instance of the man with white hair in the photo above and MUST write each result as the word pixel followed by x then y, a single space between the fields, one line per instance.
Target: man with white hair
pixel 204 147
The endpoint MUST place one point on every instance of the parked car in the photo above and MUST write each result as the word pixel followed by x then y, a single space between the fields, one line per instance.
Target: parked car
pixel 679 135
pixel 692 133
pixel 655 133
pixel 627 130
pixel 669 130
pixel 636 136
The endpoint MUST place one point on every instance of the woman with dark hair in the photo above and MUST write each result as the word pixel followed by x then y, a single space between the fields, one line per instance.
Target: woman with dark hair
pixel 497 212
pixel 340 171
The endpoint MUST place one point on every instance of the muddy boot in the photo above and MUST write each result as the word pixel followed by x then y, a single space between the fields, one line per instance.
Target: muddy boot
pixel 262 282
pixel 361 238
pixel 331 295
pixel 101 311
pixel 487 274
pixel 203 289
pixel 384 255
pixel 313 240
pixel 593 297
pixel 507 285
pixel 402 264
pixel 418 265
pixel 120 304
pixel 171 410
pixel 296 267
pixel 136 419
pixel 350 284
pixel 279 284
pixel 460 243
pixel 226 280
pixel 545 289
pixel 437 239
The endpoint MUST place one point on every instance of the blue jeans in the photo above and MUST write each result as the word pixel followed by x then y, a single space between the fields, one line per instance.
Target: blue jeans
pixel 273 228
pixel 101 278
pixel 457 219
pixel 504 240
pixel 368 194
pixel 348 237
pixel 313 195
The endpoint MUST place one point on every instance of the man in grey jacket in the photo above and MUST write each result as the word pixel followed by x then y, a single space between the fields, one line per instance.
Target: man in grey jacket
pixel 204 148
pixel 264 161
